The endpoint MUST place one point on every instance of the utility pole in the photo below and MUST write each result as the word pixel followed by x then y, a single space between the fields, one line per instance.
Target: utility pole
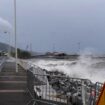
pixel 15 33
pixel 53 48
pixel 79 46
pixel 30 47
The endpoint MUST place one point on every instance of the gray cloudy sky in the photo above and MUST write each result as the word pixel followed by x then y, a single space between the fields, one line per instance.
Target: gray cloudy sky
pixel 59 23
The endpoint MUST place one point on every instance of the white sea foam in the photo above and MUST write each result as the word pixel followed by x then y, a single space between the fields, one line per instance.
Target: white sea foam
pixel 85 67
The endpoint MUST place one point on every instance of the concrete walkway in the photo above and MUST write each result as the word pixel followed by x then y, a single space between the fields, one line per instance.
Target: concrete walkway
pixel 13 86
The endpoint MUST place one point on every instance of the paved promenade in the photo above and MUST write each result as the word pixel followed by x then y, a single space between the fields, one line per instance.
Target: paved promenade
pixel 13 85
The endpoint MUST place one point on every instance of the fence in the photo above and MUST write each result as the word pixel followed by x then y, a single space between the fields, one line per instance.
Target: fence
pixel 2 62
pixel 50 89
pixel 59 89
pixel 32 83
pixel 98 87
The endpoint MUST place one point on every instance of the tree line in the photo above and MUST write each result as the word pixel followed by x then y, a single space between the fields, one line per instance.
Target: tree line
pixel 21 54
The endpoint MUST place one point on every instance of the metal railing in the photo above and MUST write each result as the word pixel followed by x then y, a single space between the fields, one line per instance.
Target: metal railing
pixel 50 89
pixel 58 89
pixel 32 81
pixel 98 88
pixel 2 62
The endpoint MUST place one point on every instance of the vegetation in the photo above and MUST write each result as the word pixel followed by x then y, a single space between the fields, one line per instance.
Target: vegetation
pixel 21 54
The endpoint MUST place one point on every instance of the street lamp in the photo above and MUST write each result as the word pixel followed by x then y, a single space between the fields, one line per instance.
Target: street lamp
pixel 15 32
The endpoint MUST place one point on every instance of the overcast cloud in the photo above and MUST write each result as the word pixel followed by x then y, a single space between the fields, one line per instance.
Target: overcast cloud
pixel 57 24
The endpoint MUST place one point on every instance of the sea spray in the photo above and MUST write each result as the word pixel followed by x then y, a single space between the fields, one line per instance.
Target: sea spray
pixel 5 26
pixel 83 67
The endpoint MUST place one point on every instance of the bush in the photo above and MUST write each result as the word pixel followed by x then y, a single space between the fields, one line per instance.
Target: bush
pixel 21 54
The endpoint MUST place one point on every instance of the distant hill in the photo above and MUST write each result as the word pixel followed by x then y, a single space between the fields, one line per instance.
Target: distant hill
pixel 5 47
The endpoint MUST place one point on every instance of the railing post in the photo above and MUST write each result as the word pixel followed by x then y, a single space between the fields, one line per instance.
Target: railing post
pixel 30 83
pixel 83 93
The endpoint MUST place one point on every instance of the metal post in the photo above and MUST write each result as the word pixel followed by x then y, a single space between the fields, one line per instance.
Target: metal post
pixel 9 49
pixel 79 46
pixel 83 93
pixel 15 34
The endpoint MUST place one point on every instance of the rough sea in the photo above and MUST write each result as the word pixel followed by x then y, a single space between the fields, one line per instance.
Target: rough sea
pixel 84 67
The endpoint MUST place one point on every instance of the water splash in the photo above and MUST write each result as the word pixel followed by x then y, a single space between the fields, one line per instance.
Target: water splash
pixel 84 67
pixel 5 26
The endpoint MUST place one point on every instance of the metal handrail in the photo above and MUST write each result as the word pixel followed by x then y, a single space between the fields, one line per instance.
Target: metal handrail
pixel 30 88
pixel 38 73
pixel 2 63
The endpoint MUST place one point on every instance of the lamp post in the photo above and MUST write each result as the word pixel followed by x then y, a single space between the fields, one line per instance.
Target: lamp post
pixel 15 33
